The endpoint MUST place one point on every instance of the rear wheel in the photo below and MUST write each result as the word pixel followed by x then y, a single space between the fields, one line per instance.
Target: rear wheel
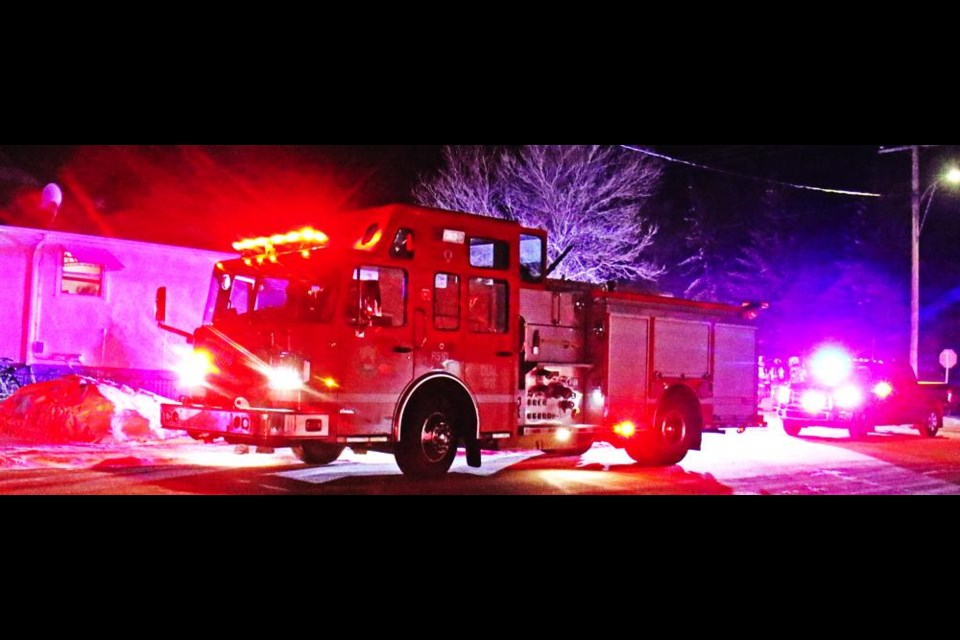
pixel 933 424
pixel 317 452
pixel 792 427
pixel 428 440
pixel 670 440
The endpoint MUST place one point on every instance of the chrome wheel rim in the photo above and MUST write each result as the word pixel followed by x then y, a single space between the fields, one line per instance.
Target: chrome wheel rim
pixel 436 437
pixel 673 428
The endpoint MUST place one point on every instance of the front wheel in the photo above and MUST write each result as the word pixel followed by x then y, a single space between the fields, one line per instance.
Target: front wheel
pixel 428 440
pixel 792 427
pixel 670 440
pixel 317 452
pixel 858 429
pixel 933 423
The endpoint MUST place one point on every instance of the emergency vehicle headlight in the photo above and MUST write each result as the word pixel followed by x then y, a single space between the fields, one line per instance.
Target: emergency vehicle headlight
pixel 882 389
pixel 848 397
pixel 194 366
pixel 783 395
pixel 563 434
pixel 813 401
pixel 284 378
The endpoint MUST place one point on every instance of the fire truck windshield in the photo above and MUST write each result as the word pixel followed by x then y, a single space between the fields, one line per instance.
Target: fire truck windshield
pixel 262 298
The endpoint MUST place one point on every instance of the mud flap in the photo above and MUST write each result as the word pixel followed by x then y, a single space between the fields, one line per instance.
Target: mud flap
pixel 473 452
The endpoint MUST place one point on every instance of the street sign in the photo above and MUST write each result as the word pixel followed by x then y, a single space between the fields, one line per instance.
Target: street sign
pixel 948 358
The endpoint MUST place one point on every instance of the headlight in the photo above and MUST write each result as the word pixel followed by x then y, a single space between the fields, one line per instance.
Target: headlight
pixel 194 366
pixel 284 378
pixel 848 397
pixel 813 401
pixel 882 389
pixel 783 395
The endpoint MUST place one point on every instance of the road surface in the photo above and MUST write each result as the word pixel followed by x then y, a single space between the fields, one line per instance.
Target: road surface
pixel 896 460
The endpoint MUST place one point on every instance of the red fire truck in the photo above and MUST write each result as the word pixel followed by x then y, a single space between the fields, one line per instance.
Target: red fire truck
pixel 418 331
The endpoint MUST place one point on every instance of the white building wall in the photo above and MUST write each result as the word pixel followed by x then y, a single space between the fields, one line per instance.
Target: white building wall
pixel 116 329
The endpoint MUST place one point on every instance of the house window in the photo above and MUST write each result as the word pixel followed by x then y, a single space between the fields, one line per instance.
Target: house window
pixel 81 278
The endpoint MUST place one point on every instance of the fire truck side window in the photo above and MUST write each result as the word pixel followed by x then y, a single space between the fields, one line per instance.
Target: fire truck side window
pixel 531 258
pixel 271 294
pixel 489 254
pixel 378 297
pixel 446 301
pixel 402 244
pixel 309 301
pixel 240 295
pixel 488 310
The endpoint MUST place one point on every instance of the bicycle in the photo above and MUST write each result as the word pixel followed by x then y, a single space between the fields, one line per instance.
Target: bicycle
pixel 9 382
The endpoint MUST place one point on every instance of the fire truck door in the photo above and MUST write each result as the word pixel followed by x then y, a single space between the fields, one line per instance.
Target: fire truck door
pixel 379 353
pixel 491 356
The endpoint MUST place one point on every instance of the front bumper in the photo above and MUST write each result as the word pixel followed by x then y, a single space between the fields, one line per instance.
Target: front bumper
pixel 827 418
pixel 260 426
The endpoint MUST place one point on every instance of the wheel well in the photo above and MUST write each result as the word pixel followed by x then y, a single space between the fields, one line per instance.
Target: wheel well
pixel 685 397
pixel 447 387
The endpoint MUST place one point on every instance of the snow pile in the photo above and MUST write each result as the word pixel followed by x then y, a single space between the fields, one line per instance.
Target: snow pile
pixel 79 409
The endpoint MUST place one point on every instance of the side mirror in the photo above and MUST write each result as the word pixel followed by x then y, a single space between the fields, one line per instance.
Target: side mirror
pixel 160 309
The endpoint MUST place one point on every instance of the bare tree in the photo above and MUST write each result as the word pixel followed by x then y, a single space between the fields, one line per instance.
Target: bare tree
pixel 588 197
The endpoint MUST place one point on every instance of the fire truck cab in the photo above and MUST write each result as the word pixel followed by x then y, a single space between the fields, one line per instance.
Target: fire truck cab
pixel 418 331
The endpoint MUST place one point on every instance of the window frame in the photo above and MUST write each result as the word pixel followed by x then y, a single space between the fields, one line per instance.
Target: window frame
pixel 456 306
pixel 101 281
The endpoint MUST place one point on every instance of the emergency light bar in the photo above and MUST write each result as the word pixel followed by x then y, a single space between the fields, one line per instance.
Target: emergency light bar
pixel 304 241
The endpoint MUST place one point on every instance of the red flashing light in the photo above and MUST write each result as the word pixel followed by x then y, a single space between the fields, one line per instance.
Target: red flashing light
pixel 831 365
pixel 302 241
pixel 625 429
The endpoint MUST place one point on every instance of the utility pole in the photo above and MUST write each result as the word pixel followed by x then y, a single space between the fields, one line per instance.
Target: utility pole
pixel 915 248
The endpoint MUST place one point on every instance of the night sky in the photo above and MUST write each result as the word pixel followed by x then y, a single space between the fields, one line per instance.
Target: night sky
pixel 210 196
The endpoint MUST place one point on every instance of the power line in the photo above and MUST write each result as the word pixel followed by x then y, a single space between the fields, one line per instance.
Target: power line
pixel 744 176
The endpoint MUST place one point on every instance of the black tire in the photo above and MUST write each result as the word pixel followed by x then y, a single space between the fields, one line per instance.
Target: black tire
pixel 792 427
pixel 428 439
pixel 934 423
pixel 318 453
pixel 670 440
pixel 858 430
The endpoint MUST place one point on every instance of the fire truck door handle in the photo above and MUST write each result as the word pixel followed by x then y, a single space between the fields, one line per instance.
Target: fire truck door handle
pixel 504 354
pixel 402 349
pixel 419 328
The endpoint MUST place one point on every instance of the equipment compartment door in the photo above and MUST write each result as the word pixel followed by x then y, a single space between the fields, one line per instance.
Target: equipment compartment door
pixel 734 373
pixel 626 384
